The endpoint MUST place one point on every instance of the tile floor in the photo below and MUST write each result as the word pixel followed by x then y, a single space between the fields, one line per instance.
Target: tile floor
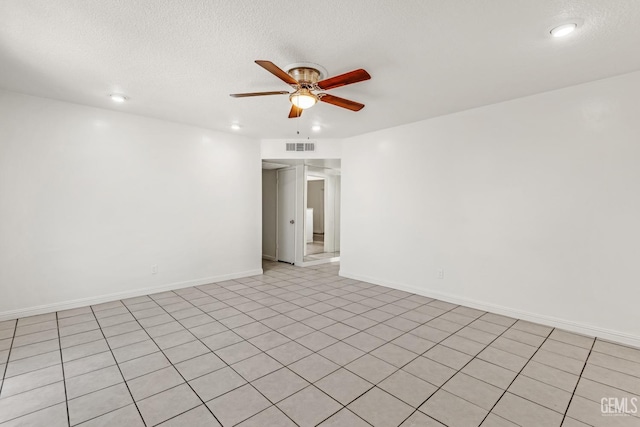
pixel 302 346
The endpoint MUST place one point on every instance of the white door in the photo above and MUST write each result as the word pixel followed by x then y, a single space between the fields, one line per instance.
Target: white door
pixel 286 247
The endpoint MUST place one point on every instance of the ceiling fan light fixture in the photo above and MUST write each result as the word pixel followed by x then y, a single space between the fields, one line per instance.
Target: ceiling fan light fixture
pixel 303 99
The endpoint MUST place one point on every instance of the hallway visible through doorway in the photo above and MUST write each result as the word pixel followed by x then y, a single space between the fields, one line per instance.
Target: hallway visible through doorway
pixel 303 223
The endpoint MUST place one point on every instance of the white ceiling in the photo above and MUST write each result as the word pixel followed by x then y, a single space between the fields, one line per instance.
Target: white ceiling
pixel 179 59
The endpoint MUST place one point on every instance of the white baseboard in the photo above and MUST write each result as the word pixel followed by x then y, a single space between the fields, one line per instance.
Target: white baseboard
pixel 580 328
pixel 269 257
pixel 82 302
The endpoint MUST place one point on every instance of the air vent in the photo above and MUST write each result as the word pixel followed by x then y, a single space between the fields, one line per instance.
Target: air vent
pixel 300 146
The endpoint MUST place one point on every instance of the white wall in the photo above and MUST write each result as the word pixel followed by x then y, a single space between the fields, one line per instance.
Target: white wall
pixel 269 213
pixel 531 207
pixel 91 199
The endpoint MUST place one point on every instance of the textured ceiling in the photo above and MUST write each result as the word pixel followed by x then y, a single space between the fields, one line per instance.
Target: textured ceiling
pixel 179 59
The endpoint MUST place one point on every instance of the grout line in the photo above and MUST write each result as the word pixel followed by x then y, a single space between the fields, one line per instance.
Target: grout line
pixel 66 399
pixel 230 367
pixel 365 353
pixel 586 361
pixel 263 352
pixel 179 373
pixel 6 366
pixel 457 371
pixel 517 375
pixel 123 380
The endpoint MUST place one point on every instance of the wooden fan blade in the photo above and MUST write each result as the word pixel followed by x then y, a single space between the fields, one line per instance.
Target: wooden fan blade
pixel 244 95
pixel 351 77
pixel 295 112
pixel 341 102
pixel 276 71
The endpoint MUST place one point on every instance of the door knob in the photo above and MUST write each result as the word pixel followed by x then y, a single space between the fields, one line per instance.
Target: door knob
pixel 292 222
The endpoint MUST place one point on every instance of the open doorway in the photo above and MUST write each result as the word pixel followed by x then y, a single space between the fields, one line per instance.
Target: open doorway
pixel 314 219
pixel 322 218
pixel 301 210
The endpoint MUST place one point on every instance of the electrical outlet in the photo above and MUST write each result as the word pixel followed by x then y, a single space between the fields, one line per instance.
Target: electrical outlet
pixel 441 273
pixel 154 269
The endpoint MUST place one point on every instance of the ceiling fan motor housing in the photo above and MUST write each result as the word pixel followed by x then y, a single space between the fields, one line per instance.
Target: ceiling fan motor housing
pixel 305 76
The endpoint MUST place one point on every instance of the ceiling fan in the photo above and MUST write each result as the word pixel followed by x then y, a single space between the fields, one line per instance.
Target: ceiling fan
pixel 306 80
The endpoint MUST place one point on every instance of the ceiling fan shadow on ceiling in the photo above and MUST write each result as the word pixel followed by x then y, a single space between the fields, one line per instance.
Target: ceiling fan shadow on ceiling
pixel 305 80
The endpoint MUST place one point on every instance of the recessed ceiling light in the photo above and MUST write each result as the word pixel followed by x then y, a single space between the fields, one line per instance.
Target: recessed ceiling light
pixel 117 97
pixel 235 126
pixel 563 30
pixel 316 128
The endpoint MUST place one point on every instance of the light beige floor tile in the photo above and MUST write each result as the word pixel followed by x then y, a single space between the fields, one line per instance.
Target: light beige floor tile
pixel 53 416
pixel 154 382
pixel 127 416
pixel 197 417
pixel 611 378
pixel 448 357
pixel 541 393
pixel 88 364
pixel 238 405
pixel 371 368
pixel 430 371
pixel 280 384
pixel 31 380
pixel 33 363
pixel 526 413
pixel 309 406
pixel 452 410
pixel 473 390
pixel 551 376
pixel 200 365
pixel 256 366
pixel 34 400
pixel 344 418
pixel 167 404
pixel 93 381
pixel 313 367
pixel 379 408
pixel 614 363
pixel 408 388
pixel 487 372
pixel 271 416
pixel 344 386
pixel 216 383
pixel 98 403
